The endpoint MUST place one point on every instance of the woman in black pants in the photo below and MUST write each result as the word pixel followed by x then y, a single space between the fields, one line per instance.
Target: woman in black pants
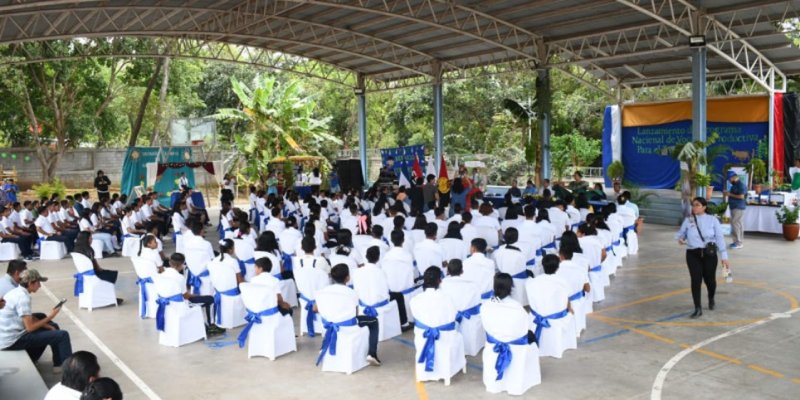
pixel 697 232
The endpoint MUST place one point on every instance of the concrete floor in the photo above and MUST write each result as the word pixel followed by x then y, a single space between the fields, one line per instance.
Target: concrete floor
pixel 642 324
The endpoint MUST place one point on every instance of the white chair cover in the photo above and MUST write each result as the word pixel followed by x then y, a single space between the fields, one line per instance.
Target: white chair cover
pixel 223 279
pixel 434 309
pixel 182 324
pixel 592 250
pixel 369 283
pixel 508 322
pixel 130 245
pixel 489 234
pixel 512 262
pixel 197 261
pixel 52 250
pixel 352 344
pixel 274 336
pixel 309 280
pixel 288 287
pixel 454 249
pixel 245 252
pixel 400 278
pixel 467 301
pixel 145 269
pixel 96 292
pixel 9 251
pixel 97 246
pixel 548 295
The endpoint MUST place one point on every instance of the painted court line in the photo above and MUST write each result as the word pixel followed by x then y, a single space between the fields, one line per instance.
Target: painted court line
pixel 623 331
pixel 107 351
pixel 658 384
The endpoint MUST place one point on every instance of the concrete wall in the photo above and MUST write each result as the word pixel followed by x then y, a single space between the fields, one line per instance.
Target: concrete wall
pixel 77 168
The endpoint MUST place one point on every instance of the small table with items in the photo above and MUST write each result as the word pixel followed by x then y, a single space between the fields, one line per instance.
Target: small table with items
pixel 759 216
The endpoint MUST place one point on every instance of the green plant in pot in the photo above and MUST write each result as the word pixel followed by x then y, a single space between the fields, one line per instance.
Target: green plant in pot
pixel 703 180
pixel 757 169
pixel 788 218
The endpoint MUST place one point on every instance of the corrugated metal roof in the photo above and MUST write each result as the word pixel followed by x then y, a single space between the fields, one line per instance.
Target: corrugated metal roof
pixel 622 43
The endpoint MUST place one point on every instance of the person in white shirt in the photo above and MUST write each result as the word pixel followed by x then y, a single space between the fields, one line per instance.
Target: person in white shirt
pixel 548 296
pixel 338 303
pixel 461 290
pixel 264 277
pixel 432 310
pixel 487 220
pixel 275 223
pixel 175 273
pixel 479 269
pixel 378 240
pixel 26 214
pixel 196 242
pixel 428 253
pixel 80 370
pixel 46 230
pixel 372 287
pixel 577 280
pixel 502 286
pixel 290 236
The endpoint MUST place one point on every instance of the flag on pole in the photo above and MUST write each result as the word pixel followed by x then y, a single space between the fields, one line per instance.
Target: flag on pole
pixel 417 168
pixel 404 181
pixel 430 169
pixel 444 182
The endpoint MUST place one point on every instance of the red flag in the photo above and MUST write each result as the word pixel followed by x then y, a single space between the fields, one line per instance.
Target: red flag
pixel 444 182
pixel 417 168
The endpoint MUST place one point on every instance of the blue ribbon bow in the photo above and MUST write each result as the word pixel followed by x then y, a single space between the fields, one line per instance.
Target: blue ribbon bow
pixel 310 314
pixel 596 268
pixel 287 261
pixel 142 282
pixel 331 336
pixel 254 318
pixel 218 300
pixel 468 313
pixel 531 262
pixel 431 335
pixel 503 350
pixel 488 295
pixel 370 310
pixel 162 307
pixel 79 280
pixel 243 268
pixel 544 321
pixel 195 281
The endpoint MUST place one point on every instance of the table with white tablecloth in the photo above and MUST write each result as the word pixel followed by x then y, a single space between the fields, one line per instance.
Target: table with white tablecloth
pixel 761 219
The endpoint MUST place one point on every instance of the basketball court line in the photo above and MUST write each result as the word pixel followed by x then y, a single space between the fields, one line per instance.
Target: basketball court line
pixel 105 349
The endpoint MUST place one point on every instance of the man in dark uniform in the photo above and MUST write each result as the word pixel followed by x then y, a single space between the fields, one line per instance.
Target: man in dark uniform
pixel 101 183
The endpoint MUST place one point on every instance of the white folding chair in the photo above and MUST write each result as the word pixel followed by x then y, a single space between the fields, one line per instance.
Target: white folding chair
pixel 228 306
pixel 197 262
pixel 245 253
pixel 92 291
pixel 271 335
pixel 183 324
pixel 352 342
pixel 145 271
pixel 448 348
pixel 506 328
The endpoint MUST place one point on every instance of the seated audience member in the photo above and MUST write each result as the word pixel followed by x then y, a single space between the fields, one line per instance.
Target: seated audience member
pixel 370 283
pixel 102 389
pixel 264 277
pixel 175 271
pixel 80 370
pixel 83 245
pixel 47 231
pixel 19 330
pixel 503 284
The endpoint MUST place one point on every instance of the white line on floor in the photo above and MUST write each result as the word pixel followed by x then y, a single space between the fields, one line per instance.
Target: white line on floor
pixel 116 360
pixel 658 385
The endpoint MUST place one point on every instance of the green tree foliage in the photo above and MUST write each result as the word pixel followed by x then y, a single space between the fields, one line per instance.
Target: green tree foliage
pixel 573 149
pixel 279 121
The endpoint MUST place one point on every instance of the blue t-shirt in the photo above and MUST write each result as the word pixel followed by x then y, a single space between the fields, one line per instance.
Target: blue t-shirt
pixel 737 188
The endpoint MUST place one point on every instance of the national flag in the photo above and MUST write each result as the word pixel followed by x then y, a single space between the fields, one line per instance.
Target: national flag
pixel 404 181
pixel 444 182
pixel 417 168
pixel 430 169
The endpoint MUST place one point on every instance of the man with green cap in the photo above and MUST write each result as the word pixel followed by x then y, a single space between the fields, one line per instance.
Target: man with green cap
pixel 20 331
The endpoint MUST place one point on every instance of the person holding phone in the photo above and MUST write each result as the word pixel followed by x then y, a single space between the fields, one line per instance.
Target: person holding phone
pixel 19 330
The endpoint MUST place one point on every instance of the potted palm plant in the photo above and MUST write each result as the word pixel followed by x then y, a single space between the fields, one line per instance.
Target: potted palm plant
pixel 704 180
pixel 788 218
pixel 757 169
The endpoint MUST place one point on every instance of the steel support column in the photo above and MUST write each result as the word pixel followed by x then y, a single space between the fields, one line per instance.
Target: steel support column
pixel 699 102
pixel 771 130
pixel 544 121
pixel 361 94
pixel 438 121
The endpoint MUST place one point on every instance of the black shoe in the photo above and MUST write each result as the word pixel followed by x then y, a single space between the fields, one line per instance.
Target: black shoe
pixel 697 313
pixel 711 304
pixel 407 327
pixel 119 301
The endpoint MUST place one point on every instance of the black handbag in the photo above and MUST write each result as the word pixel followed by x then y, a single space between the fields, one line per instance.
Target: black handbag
pixel 711 248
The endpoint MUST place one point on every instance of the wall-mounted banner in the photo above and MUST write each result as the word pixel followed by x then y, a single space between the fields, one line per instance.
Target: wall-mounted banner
pixel 741 122
pixel 404 158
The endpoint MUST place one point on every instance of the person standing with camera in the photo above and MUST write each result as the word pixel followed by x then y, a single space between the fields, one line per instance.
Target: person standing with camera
pixel 702 235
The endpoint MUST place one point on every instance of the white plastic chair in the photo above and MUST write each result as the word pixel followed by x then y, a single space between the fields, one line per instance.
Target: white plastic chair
pixel 245 252
pixel 274 336
pixel 388 318
pixel 97 246
pixel 183 324
pixel 52 250
pixel 9 251
pixel 489 235
pixel 352 343
pixel 318 279
pixel 508 323
pixel 467 300
pixel 197 262
pixel 96 292
pixel 223 279
pixel 288 287
pixel 144 269
pixel 397 271
pixel 560 336
pixel 130 245
pixel 454 248
pixel 449 348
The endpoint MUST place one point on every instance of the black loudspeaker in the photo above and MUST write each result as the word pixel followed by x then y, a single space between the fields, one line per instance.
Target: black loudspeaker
pixel 349 174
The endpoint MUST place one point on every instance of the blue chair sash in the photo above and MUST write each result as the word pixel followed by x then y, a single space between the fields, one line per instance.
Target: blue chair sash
pixel 331 336
pixel 577 296
pixel 596 268
pixel 431 335
pixel 409 290
pixel 551 245
pixel 371 310
pixel 521 275
pixel 142 282
pixel 503 350
pixel 468 313
pixel 195 281
pixel 79 280
pixel 488 295
pixel 287 261
pixel 254 318
pixel 243 268
pixel 218 300
pixel 310 314
pixel 544 321
pixel 162 307
pixel 616 243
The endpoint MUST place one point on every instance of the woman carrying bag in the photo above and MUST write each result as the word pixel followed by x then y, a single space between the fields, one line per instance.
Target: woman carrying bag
pixel 702 235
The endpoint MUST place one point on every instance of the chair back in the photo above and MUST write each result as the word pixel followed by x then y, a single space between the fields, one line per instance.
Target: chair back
pixel 399 274
pixel 504 321
pixel 362 243
pixel 258 297
pixel 276 262
pixel 328 304
pixel 197 261
pixel 82 263
pixel 222 276
pixel 243 249
pixel 144 267
pixel 488 234
pixel 453 248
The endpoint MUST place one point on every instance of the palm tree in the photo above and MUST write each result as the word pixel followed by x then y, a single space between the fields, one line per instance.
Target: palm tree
pixel 279 121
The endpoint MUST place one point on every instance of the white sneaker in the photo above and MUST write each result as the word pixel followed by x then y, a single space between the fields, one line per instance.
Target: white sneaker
pixel 737 246
pixel 373 361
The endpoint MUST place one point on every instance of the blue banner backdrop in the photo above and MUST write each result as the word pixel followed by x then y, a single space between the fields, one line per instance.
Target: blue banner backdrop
pixel 606 140
pixel 134 169
pixel 646 167
pixel 404 158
